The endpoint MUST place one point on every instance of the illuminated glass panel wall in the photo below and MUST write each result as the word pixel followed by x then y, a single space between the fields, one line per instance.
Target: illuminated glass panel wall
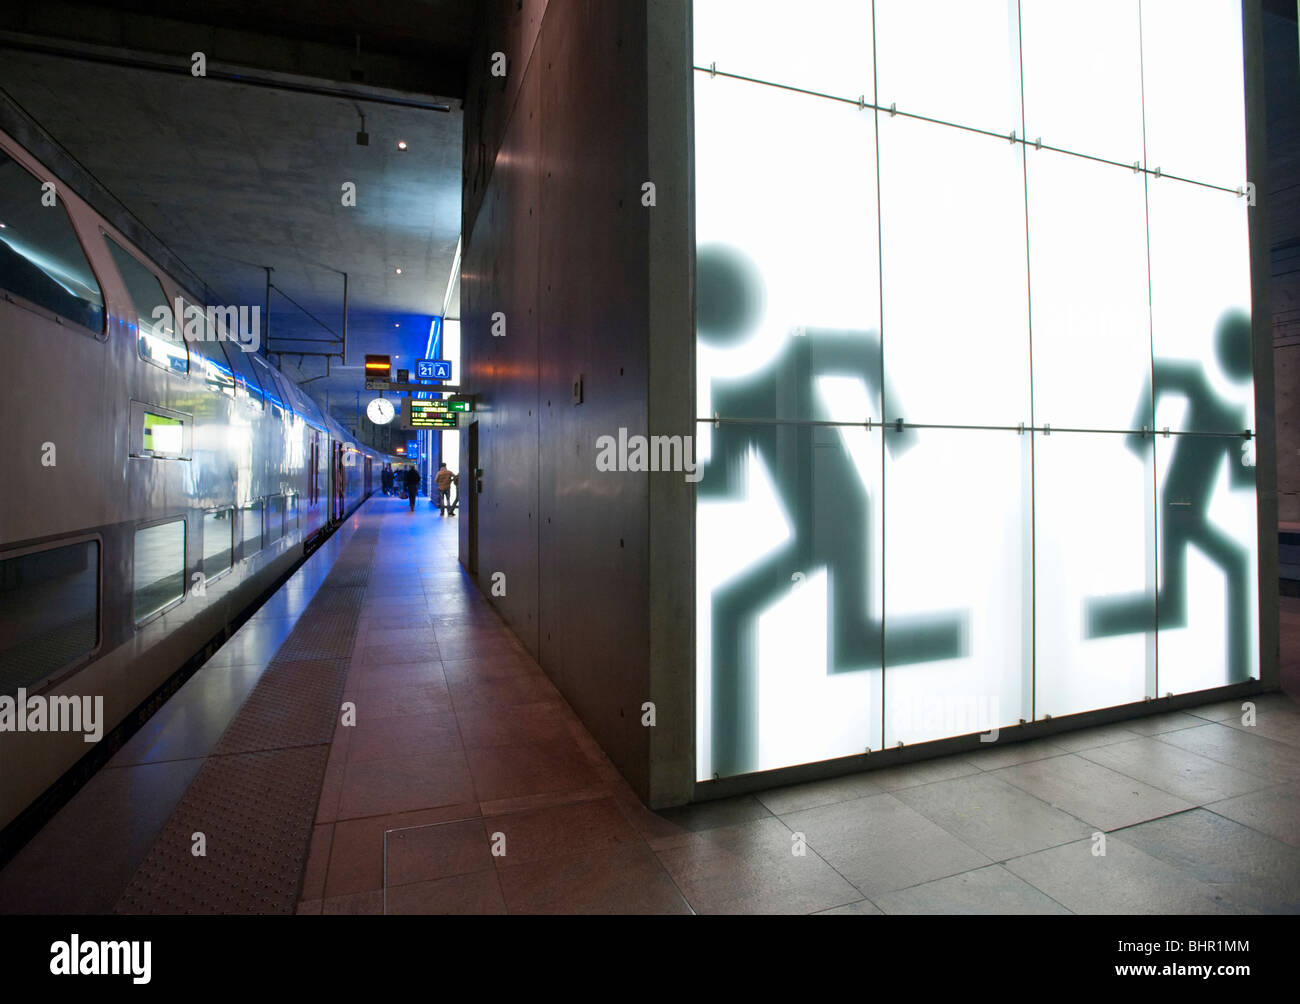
pixel 973 359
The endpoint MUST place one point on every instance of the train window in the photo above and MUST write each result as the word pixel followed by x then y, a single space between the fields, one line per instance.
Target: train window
pixel 301 403
pixel 41 259
pixel 213 367
pixel 49 612
pixel 218 542
pixel 163 436
pixel 252 528
pixel 156 337
pixel 250 388
pixel 286 392
pixel 291 513
pixel 159 567
pixel 160 433
pixel 269 385
pixel 274 519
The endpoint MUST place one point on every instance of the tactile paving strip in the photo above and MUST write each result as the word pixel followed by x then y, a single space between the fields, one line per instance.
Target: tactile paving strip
pixel 294 704
pixel 349 577
pixel 336 599
pixel 320 636
pixel 250 810
pixel 255 797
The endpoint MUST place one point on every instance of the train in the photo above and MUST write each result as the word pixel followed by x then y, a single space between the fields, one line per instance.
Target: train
pixel 162 477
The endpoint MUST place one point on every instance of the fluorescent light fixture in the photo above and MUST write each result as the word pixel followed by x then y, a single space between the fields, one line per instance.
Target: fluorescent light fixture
pixel 452 278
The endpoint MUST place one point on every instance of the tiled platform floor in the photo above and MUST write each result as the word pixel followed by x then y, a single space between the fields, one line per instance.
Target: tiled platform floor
pixel 462 746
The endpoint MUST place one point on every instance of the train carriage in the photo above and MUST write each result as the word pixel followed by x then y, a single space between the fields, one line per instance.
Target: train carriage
pixel 162 476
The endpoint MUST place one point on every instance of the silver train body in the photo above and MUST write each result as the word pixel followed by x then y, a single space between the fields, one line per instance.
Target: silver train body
pixel 156 486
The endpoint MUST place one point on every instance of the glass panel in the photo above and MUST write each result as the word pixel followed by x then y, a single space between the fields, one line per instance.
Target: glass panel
pixel 163 436
pixel 282 385
pixel 1200 309
pixel 787 294
pixel 1090 294
pixel 322 468
pixel 1192 66
pixel 218 542
pixel 956 340
pixel 1024 574
pixel 250 385
pixel 301 403
pixel 1094 571
pixel 1098 42
pixel 159 567
pixel 41 258
pixel 1208 633
pixel 789 619
pixel 275 519
pixel 958 596
pixel 252 520
pixel 819 45
pixel 158 340
pixel 953 60
pixel 269 386
pixel 210 355
pixel 49 612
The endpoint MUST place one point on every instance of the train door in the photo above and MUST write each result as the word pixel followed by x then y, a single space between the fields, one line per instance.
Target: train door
pixel 338 484
pixel 312 482
pixel 470 477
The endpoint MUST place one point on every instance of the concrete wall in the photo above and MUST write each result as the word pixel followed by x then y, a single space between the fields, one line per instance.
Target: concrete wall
pixel 1266 413
pixel 557 240
pixel 1281 69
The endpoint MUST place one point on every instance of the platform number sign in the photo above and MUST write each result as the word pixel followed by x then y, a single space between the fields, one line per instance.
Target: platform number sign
pixel 433 369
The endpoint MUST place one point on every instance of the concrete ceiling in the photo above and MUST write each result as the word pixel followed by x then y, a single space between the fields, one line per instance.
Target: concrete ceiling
pixel 421 28
pixel 234 178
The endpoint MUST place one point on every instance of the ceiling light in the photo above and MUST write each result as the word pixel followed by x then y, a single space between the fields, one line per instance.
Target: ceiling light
pixel 401 144
pixel 399 271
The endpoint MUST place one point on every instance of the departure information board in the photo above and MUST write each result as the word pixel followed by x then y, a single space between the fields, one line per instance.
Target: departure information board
pixel 430 414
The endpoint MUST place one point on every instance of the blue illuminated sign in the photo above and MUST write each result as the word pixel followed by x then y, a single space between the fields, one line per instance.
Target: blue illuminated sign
pixel 433 369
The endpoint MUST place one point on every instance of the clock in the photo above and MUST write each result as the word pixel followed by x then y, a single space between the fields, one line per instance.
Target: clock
pixel 380 411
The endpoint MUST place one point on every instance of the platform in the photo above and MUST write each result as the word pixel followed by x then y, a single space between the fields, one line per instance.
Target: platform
pixel 467 785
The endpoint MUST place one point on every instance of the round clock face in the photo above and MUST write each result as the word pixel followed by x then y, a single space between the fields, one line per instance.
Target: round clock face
pixel 380 411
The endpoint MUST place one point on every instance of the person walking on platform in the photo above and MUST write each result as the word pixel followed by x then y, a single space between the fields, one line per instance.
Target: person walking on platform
pixel 386 479
pixel 444 479
pixel 412 485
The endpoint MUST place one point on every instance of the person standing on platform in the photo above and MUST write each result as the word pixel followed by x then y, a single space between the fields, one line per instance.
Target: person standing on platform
pixel 412 485
pixel 444 479
pixel 386 478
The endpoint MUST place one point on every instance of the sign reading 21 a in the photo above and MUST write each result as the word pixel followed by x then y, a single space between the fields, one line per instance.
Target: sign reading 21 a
pixel 433 369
